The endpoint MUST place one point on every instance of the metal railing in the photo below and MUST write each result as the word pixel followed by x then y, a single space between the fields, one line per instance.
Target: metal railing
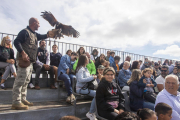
pixel 63 47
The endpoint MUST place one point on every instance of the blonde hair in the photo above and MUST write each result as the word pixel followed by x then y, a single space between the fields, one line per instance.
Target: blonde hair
pixel 3 42
pixel 146 70
pixel 135 76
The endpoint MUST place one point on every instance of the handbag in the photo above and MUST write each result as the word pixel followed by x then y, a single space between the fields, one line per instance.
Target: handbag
pixel 114 104
pixel 92 85
pixel 23 64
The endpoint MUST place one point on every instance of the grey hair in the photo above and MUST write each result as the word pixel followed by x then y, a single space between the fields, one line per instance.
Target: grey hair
pixel 174 76
pixel 165 66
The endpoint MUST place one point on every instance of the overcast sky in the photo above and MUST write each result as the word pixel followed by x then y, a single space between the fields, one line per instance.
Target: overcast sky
pixel 146 27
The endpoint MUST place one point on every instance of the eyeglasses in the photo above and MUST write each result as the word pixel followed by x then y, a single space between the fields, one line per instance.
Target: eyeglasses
pixel 146 62
pixel 163 70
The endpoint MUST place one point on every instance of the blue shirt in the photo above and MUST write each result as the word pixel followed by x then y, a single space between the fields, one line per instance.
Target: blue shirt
pixel 123 77
pixel 174 101
pixel 171 68
pixel 111 60
pixel 65 63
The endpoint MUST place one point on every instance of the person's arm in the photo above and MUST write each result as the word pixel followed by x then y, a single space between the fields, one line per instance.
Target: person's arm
pixel 138 91
pixel 41 37
pixel 100 99
pixel 39 62
pixel 140 83
pixel 75 65
pixel 48 59
pixel 153 82
pixel 20 39
pixel 81 77
pixel 93 68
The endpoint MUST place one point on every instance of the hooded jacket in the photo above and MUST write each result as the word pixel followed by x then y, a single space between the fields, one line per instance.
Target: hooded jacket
pixel 106 92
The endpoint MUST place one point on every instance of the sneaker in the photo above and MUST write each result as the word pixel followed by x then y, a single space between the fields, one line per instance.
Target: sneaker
pixel 72 98
pixel 56 84
pixel 31 86
pixel 3 86
pixel 68 99
pixel 91 116
pixel 19 106
pixel 25 102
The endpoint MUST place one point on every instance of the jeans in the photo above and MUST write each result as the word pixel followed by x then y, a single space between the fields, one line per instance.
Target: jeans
pixel 67 80
pixel 148 105
pixel 92 94
pixel 8 67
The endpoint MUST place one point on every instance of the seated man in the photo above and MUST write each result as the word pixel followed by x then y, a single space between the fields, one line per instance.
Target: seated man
pixel 146 64
pixel 90 66
pixel 124 75
pixel 171 96
pixel 108 55
pixel 156 66
pixel 161 79
pixel 43 64
pixel 128 58
pixel 55 58
pixel 64 73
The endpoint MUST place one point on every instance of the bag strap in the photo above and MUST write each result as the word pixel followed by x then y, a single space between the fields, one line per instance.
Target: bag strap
pixel 84 88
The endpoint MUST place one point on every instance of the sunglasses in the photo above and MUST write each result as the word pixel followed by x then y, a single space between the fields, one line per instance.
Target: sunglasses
pixel 146 62
pixel 9 40
pixel 163 70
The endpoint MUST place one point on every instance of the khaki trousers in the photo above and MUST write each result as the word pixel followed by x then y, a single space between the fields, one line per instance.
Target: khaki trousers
pixel 21 83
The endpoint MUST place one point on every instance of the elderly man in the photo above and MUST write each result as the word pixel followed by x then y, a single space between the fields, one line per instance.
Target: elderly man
pixel 161 79
pixel 171 96
pixel 90 66
pixel 128 58
pixel 124 74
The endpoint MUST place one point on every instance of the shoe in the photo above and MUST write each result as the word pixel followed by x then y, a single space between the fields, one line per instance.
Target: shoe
pixel 31 86
pixel 25 102
pixel 91 116
pixel 19 106
pixel 3 86
pixel 56 84
pixel 52 87
pixel 37 87
pixel 70 99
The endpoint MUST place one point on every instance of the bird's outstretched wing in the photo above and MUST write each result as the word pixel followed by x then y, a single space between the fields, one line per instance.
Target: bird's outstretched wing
pixel 67 30
pixel 49 17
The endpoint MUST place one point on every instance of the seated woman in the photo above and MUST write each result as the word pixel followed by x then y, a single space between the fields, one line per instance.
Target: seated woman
pixel 83 76
pixel 136 92
pixel 100 61
pixel 7 59
pixel 94 55
pixel 109 99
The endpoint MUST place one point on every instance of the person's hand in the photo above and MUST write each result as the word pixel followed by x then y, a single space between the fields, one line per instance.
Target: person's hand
pixel 47 67
pixel 144 81
pixel 121 111
pixel 24 56
pixel 67 71
pixel 95 77
pixel 53 33
pixel 11 61
pixel 116 111
pixel 148 85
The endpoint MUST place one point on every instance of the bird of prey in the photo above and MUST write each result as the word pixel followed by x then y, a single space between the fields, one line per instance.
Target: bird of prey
pixel 60 29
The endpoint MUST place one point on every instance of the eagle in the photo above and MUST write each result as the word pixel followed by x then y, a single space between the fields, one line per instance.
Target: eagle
pixel 60 29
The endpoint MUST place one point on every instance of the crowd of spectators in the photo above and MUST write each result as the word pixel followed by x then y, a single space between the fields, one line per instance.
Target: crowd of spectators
pixel 150 83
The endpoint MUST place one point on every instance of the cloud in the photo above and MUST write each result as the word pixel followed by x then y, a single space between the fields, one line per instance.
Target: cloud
pixel 116 24
pixel 172 50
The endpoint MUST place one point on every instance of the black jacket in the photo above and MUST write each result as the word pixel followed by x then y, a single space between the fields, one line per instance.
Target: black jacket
pixel 107 91
pixel 6 53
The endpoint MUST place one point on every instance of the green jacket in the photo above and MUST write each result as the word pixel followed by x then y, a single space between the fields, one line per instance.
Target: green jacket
pixel 90 66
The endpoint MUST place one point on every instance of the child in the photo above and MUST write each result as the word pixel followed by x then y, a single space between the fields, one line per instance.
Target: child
pixel 148 83
pixel 146 114
pixel 100 73
pixel 136 93
pixel 115 64
pixel 107 64
pixel 175 70
pixel 163 111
